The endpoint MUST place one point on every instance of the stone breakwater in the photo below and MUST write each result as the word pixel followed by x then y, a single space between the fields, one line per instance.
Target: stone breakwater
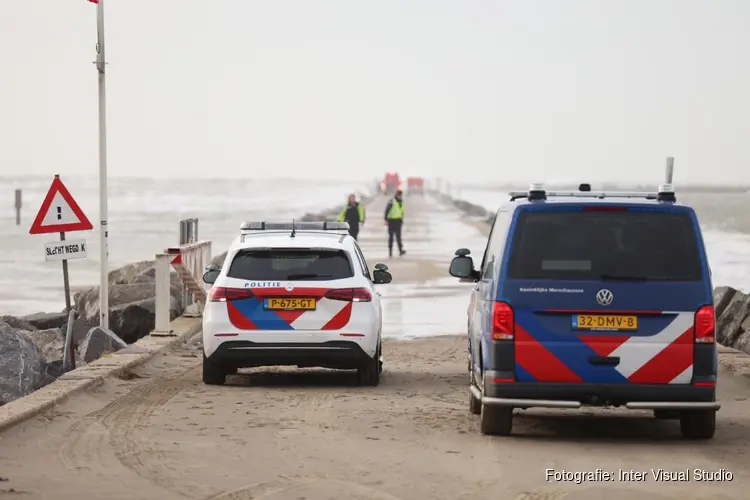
pixel 31 347
pixel 732 306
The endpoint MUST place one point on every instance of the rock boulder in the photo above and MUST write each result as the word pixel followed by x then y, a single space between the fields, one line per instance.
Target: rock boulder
pixel 131 301
pixel 50 343
pixel 22 368
pixel 96 344
pixel 44 321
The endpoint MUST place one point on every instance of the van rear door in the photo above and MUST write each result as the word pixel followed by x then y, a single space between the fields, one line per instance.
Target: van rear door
pixel 606 293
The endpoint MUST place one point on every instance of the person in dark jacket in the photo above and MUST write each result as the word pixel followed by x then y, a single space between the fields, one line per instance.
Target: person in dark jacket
pixel 394 219
pixel 354 214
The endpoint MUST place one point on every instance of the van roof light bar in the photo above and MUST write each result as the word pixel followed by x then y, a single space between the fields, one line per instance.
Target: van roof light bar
pixel 537 192
pixel 665 191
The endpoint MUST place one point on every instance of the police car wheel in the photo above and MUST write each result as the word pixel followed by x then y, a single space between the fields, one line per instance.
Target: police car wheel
pixel 698 424
pixel 213 373
pixel 369 373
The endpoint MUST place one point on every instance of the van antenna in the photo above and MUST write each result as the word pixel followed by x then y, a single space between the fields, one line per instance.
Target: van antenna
pixel 670 170
pixel 294 230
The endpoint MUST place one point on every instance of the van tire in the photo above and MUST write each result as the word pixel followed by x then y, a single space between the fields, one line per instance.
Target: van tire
pixel 496 420
pixel 667 414
pixel 213 373
pixel 475 405
pixel 698 424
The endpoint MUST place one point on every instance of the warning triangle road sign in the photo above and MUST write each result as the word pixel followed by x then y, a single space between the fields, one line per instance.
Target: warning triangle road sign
pixel 59 212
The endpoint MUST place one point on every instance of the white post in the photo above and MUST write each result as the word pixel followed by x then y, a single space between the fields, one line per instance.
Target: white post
pixel 162 296
pixel 101 65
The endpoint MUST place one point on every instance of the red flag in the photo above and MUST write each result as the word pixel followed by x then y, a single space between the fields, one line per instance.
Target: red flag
pixel 94 1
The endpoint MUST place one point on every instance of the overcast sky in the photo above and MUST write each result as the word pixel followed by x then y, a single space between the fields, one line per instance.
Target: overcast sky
pixel 492 89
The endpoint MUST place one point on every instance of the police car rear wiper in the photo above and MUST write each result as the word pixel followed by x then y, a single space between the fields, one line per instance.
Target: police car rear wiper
pixel 307 276
pixel 622 277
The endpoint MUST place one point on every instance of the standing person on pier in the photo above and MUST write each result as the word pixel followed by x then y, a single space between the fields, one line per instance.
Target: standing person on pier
pixel 354 214
pixel 394 219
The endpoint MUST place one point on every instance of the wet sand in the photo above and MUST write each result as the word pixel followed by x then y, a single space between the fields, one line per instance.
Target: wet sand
pixel 274 434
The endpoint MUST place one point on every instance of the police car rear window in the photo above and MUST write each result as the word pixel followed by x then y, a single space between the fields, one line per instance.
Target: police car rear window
pixel 596 245
pixel 290 265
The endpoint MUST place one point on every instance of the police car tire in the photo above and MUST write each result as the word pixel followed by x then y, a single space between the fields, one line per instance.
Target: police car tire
pixel 698 424
pixel 213 373
pixel 369 373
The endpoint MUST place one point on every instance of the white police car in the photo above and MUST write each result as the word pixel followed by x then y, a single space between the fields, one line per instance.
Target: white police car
pixel 295 294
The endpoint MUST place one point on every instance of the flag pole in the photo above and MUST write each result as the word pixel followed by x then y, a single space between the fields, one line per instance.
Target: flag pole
pixel 101 65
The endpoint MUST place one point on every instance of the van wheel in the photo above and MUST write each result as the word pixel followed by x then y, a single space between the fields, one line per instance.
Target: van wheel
pixel 213 373
pixel 496 420
pixel 369 373
pixel 475 405
pixel 698 424
pixel 666 414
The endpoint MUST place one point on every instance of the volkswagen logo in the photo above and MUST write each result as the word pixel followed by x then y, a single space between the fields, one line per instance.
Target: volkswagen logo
pixel 289 287
pixel 604 297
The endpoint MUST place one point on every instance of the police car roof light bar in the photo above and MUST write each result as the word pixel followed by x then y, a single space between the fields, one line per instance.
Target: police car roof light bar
pixel 294 226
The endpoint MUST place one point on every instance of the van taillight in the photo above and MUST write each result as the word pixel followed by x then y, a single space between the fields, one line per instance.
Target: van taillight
pixel 221 294
pixel 705 325
pixel 349 294
pixel 503 322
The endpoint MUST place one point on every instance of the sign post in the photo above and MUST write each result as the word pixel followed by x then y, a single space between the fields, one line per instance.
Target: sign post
pixel 101 67
pixel 60 213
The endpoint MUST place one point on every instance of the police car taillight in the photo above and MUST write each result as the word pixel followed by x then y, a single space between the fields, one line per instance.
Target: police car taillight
pixel 349 294
pixel 221 294
pixel 503 322
pixel 705 325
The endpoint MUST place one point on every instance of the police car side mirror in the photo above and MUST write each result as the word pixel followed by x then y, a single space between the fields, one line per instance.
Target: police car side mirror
pixel 462 267
pixel 213 267
pixel 381 277
pixel 209 277
pixel 381 267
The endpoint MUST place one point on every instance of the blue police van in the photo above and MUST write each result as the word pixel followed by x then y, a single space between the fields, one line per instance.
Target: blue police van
pixel 592 299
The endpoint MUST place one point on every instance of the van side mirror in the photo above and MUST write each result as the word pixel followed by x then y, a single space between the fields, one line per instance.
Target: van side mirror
pixel 463 267
pixel 381 267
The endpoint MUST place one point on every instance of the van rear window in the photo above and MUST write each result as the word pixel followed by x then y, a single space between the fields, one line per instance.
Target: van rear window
pixel 578 245
pixel 290 265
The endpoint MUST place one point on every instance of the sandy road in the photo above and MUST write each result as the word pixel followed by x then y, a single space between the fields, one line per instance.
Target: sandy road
pixel 159 433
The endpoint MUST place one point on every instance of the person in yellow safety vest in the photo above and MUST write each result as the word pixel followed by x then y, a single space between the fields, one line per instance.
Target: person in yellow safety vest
pixel 394 219
pixel 354 214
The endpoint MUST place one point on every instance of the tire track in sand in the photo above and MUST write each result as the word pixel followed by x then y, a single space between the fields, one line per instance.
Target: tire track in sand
pixel 312 484
pixel 116 426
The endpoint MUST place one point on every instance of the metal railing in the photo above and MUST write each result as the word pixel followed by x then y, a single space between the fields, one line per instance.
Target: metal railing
pixel 190 261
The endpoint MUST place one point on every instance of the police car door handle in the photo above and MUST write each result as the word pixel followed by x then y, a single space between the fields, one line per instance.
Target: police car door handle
pixel 604 360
